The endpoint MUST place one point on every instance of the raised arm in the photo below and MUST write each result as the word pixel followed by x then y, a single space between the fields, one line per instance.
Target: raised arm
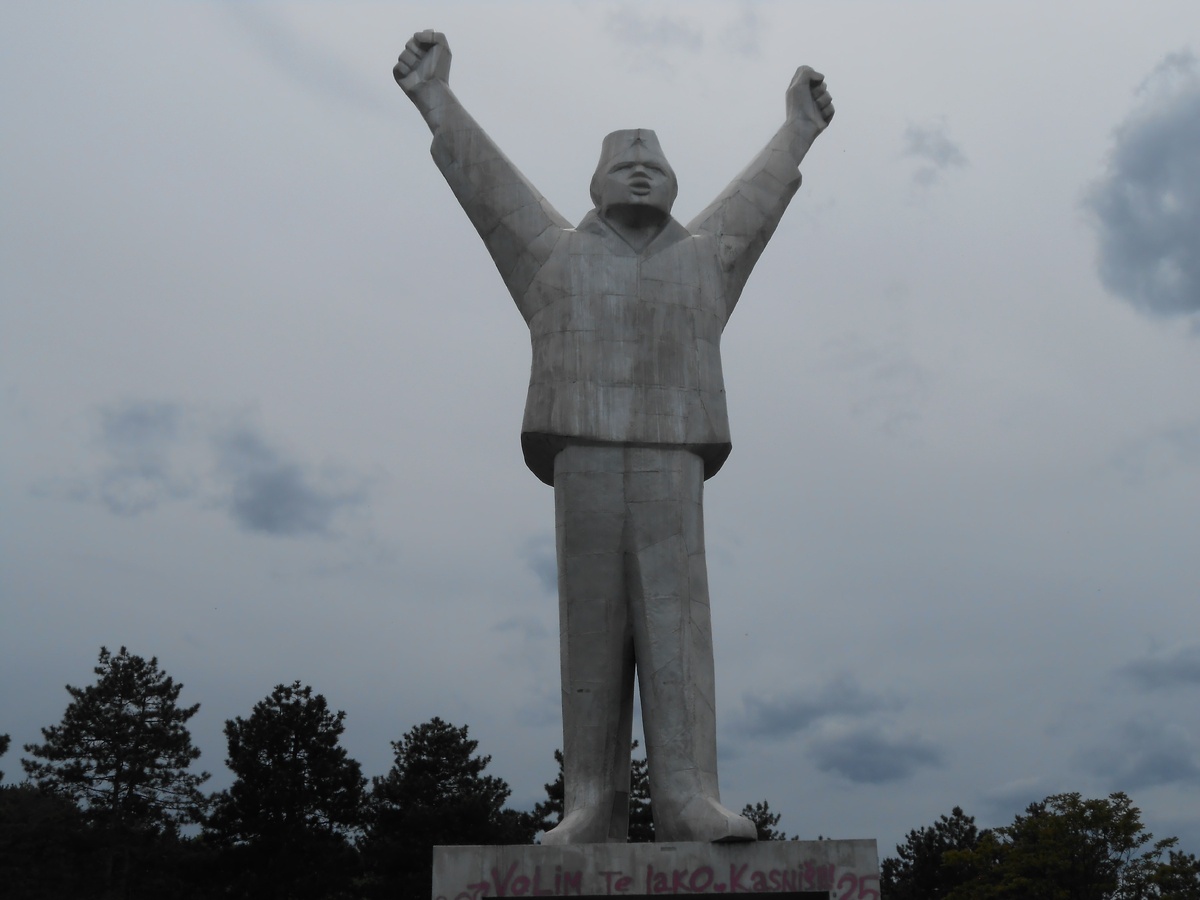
pixel 517 223
pixel 745 215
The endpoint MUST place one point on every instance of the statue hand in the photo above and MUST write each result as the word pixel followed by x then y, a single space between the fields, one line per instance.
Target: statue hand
pixel 425 58
pixel 808 101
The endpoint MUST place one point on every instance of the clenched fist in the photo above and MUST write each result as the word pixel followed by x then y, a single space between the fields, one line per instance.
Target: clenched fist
pixel 808 100
pixel 425 58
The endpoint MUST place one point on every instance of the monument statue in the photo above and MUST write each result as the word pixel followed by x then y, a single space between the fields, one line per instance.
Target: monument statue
pixel 626 418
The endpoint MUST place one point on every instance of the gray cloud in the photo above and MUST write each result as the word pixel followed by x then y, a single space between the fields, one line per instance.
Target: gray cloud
pixel 527 627
pixel 269 493
pixel 744 34
pixel 1179 668
pixel 540 556
pixel 889 385
pixel 1144 753
pixel 306 63
pixel 139 439
pixel 1146 208
pixel 540 711
pixel 138 444
pixel 866 755
pixel 643 33
pixel 1001 803
pixel 780 717
pixel 1159 452
pixel 931 146
pixel 152 452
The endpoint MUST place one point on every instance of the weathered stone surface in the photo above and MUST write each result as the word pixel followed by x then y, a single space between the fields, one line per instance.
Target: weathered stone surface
pixel 843 869
pixel 626 418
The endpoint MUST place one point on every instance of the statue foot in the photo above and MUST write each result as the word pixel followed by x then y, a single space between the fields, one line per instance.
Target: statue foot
pixel 704 819
pixel 582 826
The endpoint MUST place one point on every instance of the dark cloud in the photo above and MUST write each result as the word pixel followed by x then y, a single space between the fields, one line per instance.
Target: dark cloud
pixel 544 709
pixel 269 493
pixel 1160 452
pixel 784 716
pixel 744 34
pixel 308 63
pixel 1144 753
pixel 634 29
pixel 139 440
pixel 540 556
pixel 867 755
pixel 138 444
pixel 931 146
pixel 889 385
pixel 527 627
pixel 1000 804
pixel 1178 668
pixel 1146 208
pixel 151 452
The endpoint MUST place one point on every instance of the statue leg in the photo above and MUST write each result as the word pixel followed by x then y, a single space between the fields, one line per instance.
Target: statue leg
pixel 596 645
pixel 673 646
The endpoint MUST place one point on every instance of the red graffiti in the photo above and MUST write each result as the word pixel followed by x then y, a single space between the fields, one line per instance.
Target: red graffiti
pixel 818 877
pixel 859 883
pixel 809 875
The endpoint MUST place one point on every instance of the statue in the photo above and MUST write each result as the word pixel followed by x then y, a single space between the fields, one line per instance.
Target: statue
pixel 625 418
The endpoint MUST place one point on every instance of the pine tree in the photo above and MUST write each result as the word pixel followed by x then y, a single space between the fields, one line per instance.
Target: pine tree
pixel 293 776
pixel 436 793
pixel 298 797
pixel 122 755
pixel 920 870
pixel 123 750
pixel 549 813
pixel 641 813
pixel 764 821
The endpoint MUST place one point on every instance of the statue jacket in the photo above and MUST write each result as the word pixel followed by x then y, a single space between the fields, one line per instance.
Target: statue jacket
pixel 626 344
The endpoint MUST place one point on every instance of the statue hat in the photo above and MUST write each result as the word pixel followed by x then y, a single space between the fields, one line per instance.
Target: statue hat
pixel 619 143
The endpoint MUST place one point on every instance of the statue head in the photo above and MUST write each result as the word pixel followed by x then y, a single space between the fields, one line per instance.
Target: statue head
pixel 634 175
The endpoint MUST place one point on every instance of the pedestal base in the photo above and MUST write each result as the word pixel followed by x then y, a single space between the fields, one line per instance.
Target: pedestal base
pixel 845 870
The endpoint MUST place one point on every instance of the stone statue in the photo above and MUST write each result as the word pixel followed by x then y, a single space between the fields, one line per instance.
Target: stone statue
pixel 626 418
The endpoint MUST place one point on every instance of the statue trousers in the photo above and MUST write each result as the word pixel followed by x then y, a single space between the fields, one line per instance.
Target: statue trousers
pixel 633 592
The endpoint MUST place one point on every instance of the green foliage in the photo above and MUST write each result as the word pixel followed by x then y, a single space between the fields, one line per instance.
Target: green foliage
pixel 641 813
pixel 1176 879
pixel 549 813
pixel 641 816
pixel 121 757
pixel 920 870
pixel 50 851
pixel 1062 848
pixel 47 849
pixel 4 742
pixel 1065 848
pixel 123 750
pixel 285 820
pixel 293 776
pixel 764 821
pixel 436 793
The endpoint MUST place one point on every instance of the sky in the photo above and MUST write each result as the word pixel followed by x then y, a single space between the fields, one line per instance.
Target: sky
pixel 261 386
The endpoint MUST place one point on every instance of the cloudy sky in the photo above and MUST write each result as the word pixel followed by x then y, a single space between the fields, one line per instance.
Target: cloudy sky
pixel 261 387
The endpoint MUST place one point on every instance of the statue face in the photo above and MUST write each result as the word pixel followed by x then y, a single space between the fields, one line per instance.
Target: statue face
pixel 638 177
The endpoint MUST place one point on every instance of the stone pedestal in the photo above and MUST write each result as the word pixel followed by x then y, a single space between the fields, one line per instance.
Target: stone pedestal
pixel 843 870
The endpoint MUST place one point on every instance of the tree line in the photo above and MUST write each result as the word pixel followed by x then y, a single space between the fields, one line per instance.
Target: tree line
pixel 111 808
pixel 1064 847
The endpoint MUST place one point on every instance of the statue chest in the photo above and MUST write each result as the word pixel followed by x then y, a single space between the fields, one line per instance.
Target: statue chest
pixel 600 290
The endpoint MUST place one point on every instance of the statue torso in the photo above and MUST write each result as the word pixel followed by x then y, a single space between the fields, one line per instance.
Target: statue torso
pixel 626 345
